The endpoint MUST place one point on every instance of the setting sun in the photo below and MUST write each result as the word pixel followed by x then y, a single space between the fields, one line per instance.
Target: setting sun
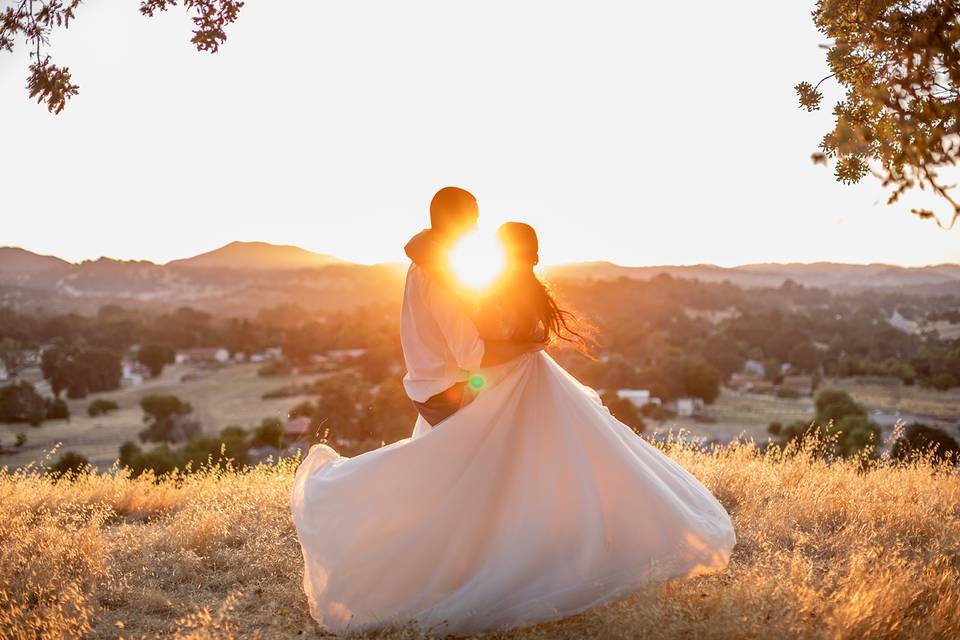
pixel 477 260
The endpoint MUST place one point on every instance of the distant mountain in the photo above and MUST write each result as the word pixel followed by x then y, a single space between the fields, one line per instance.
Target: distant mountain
pixel 257 256
pixel 244 277
pixel 238 279
pixel 938 279
pixel 21 261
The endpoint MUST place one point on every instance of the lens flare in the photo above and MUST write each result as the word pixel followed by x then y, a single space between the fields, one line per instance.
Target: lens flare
pixel 477 260
pixel 477 382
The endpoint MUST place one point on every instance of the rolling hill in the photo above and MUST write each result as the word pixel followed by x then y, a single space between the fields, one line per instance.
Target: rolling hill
pixel 244 277
pixel 257 256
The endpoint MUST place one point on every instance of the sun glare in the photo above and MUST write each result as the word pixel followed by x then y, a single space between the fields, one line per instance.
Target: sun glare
pixel 477 260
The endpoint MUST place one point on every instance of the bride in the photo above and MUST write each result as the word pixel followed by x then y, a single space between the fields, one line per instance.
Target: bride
pixel 530 503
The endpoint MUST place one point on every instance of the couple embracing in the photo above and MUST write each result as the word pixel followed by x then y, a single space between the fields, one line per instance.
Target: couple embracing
pixel 518 498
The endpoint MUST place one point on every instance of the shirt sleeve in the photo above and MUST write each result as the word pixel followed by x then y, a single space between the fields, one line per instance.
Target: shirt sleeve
pixel 459 331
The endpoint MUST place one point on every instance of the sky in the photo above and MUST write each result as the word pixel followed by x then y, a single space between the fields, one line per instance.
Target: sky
pixel 639 133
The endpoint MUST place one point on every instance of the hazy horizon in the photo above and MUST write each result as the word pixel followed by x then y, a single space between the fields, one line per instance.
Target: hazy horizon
pixel 616 140
pixel 553 264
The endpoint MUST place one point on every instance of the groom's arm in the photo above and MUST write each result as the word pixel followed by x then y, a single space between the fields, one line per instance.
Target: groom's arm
pixel 431 256
pixel 423 250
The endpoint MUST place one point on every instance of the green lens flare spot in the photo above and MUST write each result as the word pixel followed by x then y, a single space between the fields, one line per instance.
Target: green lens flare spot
pixel 477 382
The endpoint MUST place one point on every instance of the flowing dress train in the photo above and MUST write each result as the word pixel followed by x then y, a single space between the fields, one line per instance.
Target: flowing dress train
pixel 529 504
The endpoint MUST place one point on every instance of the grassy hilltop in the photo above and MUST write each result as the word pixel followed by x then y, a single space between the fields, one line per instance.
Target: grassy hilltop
pixel 824 551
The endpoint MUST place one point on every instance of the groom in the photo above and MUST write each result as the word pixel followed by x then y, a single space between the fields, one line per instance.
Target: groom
pixel 441 344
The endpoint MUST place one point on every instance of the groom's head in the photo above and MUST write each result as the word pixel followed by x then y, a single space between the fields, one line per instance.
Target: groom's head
pixel 453 211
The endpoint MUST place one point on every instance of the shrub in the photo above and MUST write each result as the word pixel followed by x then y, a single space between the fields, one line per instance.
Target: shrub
pixel 274 369
pixel 919 439
pixel 270 433
pixel 70 463
pixel 57 409
pixel 941 382
pixel 854 434
pixel 656 412
pixel 833 404
pixel 167 419
pixel 624 411
pixel 846 437
pixel 101 406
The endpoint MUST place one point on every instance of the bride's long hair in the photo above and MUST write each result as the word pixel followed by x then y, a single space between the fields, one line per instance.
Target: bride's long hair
pixel 541 319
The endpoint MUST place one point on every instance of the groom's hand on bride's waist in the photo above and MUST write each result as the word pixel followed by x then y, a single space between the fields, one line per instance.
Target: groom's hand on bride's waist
pixel 496 352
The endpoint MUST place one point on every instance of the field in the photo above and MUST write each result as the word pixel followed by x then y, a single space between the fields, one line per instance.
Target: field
pixel 746 414
pixel 232 395
pixel 824 551
pixel 894 397
pixel 220 397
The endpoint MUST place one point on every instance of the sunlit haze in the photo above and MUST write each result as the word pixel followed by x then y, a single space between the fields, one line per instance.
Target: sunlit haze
pixel 640 133
pixel 477 259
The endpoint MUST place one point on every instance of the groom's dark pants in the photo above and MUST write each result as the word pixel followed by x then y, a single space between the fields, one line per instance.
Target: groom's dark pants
pixel 443 405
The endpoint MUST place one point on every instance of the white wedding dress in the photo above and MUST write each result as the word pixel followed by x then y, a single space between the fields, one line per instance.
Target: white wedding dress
pixel 531 503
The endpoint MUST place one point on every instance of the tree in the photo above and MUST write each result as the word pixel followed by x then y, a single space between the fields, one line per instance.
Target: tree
pixel 80 370
pixel 12 356
pixel 34 21
pixel 899 64
pixel 389 415
pixel 700 380
pixel 624 411
pixel 833 404
pixel 804 357
pixel 155 357
pixel 167 419
pixel 20 402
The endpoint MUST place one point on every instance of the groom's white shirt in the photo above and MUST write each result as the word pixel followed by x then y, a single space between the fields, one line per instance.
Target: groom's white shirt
pixel 441 344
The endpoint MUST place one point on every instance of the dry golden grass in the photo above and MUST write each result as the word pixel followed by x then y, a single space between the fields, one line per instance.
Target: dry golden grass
pixel 825 551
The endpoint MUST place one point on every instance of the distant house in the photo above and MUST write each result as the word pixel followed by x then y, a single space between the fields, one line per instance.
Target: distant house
pixel 902 324
pixel 202 355
pixel 741 382
pixel 637 397
pixel 762 386
pixel 801 384
pixel 688 406
pixel 754 368
pixel 133 374
pixel 262 454
pixel 345 354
